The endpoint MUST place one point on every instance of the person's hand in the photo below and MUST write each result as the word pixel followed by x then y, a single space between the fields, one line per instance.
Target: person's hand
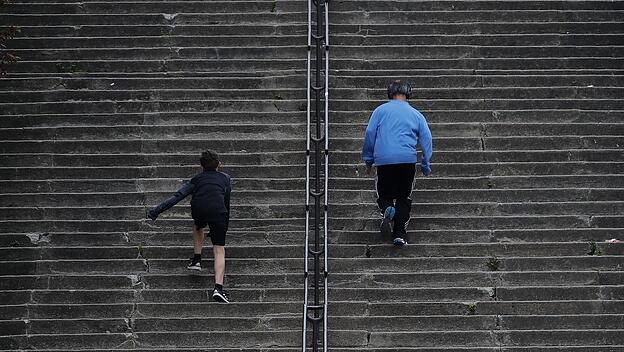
pixel 369 170
pixel 426 169
pixel 152 214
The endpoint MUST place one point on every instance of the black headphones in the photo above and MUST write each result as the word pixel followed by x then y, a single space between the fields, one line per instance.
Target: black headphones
pixel 399 87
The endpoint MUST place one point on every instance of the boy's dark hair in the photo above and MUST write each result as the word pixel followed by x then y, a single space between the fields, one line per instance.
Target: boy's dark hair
pixel 399 87
pixel 209 160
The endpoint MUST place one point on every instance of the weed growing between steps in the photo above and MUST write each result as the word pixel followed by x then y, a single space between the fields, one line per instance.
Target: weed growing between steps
pixel 493 264
pixel 593 249
pixel 70 68
pixel 7 34
pixel 472 308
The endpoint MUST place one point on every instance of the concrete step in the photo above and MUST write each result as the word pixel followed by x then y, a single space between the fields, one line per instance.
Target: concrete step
pixel 344 51
pixel 408 16
pixel 583 183
pixel 431 85
pixel 445 294
pixel 285 158
pixel 376 323
pixel 280 171
pixel 432 339
pixel 503 308
pixel 278 82
pixel 344 66
pixel 157 7
pixel 364 106
pixel 188 309
pixel 247 339
pixel 297 15
pixel 347 197
pixel 339 131
pixel 289 251
pixel 257 52
pixel 360 339
pixel 425 96
pixel 73 237
pixel 169 19
pixel 419 224
pixel 225 145
pixel 371 82
pixel 124 225
pixel 32 30
pixel 187 41
pixel 42 43
pixel 424 224
pixel 358 309
pixel 61 70
pixel 215 118
pixel 397 5
pixel 356 210
pixel 586 348
pixel 292 280
pixel 233 6
pixel 293 265
pixel 289 157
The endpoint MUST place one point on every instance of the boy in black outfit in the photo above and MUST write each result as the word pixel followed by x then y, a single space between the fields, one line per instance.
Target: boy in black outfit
pixel 210 206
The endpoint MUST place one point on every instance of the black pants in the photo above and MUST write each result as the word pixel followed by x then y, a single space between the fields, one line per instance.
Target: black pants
pixel 394 187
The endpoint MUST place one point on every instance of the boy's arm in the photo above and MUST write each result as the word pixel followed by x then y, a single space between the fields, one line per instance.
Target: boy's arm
pixel 426 145
pixel 182 193
pixel 368 150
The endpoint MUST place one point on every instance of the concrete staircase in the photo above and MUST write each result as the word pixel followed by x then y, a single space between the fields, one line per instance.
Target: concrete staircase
pixel 113 101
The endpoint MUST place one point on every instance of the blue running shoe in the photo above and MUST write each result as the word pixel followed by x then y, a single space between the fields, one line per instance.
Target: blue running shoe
pixel 399 242
pixel 386 228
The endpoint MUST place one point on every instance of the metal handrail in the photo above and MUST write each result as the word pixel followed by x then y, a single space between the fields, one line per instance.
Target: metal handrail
pixel 321 109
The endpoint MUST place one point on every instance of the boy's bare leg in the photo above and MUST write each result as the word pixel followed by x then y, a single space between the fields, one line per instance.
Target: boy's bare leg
pixel 198 240
pixel 219 263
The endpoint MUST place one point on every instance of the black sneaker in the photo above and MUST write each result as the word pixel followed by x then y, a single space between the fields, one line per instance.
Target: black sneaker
pixel 386 227
pixel 399 242
pixel 194 265
pixel 220 296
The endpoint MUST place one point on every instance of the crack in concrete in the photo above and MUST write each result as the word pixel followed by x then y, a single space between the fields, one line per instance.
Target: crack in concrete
pixel 164 66
pixel 146 263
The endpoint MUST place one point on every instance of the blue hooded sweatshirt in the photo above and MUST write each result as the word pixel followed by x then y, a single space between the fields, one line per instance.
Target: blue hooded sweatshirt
pixel 393 131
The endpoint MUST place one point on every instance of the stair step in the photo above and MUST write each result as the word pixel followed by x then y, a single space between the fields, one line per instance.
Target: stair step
pixel 73 237
pixel 418 224
pixel 510 246
pixel 290 265
pixel 587 186
pixel 380 280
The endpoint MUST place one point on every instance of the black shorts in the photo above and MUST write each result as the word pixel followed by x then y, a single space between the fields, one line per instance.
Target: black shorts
pixel 218 228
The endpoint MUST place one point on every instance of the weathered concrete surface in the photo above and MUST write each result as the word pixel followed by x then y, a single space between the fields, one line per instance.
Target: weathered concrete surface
pixel 111 103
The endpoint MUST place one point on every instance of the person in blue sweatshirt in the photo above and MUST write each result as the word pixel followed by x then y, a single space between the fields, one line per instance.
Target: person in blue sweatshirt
pixel 210 207
pixel 394 130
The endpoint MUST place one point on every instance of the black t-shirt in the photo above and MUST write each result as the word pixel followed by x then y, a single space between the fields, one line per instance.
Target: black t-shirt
pixel 211 195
